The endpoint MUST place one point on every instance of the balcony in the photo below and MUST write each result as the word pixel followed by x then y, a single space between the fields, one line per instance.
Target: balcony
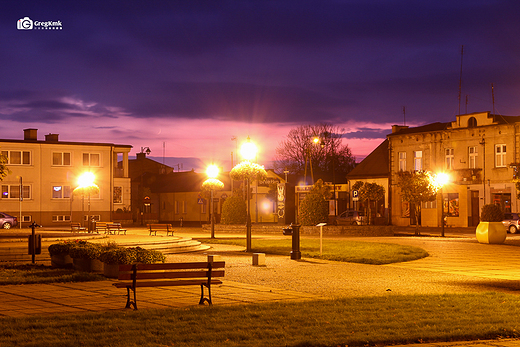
pixel 467 176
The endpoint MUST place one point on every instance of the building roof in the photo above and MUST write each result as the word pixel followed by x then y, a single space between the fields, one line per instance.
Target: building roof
pixel 186 181
pixel 141 165
pixel 438 126
pixel 374 165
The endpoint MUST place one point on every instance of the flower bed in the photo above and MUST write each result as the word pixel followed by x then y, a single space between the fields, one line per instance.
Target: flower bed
pixel 84 254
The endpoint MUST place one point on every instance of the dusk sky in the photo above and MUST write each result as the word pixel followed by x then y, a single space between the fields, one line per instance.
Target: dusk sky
pixel 190 75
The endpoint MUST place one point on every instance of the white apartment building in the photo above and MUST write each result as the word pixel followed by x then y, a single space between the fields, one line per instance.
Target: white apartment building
pixel 44 173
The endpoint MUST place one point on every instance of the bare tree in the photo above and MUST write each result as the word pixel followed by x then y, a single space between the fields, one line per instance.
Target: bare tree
pixel 315 150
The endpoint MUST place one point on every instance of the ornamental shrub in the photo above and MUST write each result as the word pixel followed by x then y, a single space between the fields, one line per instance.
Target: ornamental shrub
pixel 146 256
pixel 60 248
pixel 85 250
pixel 491 213
pixel 313 209
pixel 234 210
pixel 119 255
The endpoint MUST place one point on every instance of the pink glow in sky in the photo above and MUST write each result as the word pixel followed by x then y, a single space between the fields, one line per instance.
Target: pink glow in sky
pixel 208 140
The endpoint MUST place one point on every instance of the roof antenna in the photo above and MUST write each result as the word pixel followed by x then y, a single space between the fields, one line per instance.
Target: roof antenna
pixel 404 115
pixel 460 78
pixel 493 97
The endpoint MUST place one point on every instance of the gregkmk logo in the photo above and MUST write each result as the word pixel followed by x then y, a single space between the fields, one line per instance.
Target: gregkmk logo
pixel 27 23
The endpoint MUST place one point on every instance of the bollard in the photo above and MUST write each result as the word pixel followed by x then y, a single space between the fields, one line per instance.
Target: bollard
pixel 295 253
pixel 258 259
pixel 35 243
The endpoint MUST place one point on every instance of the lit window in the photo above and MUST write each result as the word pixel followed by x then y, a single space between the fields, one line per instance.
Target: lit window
pixel 500 156
pixel 450 158
pixel 12 191
pixel 417 160
pixel 61 192
pixel 118 195
pixel 472 153
pixel 402 161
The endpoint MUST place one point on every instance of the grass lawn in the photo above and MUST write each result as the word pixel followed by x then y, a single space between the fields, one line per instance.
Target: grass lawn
pixel 31 274
pixel 338 250
pixel 354 322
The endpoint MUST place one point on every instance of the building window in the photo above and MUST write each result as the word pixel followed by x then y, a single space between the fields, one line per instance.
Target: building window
pixel 118 195
pixel 60 159
pixel 184 208
pixel 417 160
pixel 451 204
pixel 402 161
pixel 449 158
pixel 405 209
pixel 91 159
pixel 61 192
pixel 176 207
pixel 26 218
pixel 203 208
pixel 430 204
pixel 500 155
pixel 61 218
pixel 472 153
pixel 94 217
pixel 12 191
pixel 17 157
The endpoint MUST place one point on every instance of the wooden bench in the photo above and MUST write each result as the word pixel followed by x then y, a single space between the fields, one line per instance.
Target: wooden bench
pixel 101 226
pixel 113 227
pixel 170 274
pixel 154 228
pixel 77 227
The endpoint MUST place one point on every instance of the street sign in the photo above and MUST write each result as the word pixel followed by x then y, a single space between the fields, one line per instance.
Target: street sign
pixel 200 201
pixel 355 195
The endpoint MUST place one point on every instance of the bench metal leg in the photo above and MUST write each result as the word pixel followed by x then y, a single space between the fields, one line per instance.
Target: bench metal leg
pixel 202 298
pixel 130 303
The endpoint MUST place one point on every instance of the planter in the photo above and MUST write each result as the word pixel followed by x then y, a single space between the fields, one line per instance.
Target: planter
pixel 491 232
pixel 96 265
pixel 61 261
pixel 111 270
pixel 82 264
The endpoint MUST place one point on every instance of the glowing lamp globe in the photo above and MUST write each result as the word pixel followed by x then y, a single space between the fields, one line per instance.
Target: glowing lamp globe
pixel 248 150
pixel 212 171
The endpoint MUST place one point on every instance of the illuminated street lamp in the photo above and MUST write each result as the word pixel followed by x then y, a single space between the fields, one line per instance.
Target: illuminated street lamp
pixel 212 184
pixel 248 171
pixel 441 179
pixel 86 186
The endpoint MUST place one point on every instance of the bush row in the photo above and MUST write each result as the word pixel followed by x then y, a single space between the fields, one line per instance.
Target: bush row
pixel 109 253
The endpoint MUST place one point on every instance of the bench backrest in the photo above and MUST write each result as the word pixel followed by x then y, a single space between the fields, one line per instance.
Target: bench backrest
pixel 172 270
pixel 160 226
pixel 101 224
pixel 113 225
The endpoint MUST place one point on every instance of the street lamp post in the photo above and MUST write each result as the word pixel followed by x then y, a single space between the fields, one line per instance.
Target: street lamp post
pixel 248 152
pixel 442 179
pixel 86 185
pixel 247 171
pixel 212 183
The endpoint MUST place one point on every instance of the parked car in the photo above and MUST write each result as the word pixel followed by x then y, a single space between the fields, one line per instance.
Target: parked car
pixel 350 217
pixel 7 221
pixel 512 222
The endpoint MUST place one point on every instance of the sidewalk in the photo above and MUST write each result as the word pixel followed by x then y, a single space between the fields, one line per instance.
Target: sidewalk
pixel 457 264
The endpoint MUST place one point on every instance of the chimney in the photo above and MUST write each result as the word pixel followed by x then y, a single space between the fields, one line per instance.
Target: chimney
pixel 397 128
pixel 30 134
pixel 140 156
pixel 51 138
